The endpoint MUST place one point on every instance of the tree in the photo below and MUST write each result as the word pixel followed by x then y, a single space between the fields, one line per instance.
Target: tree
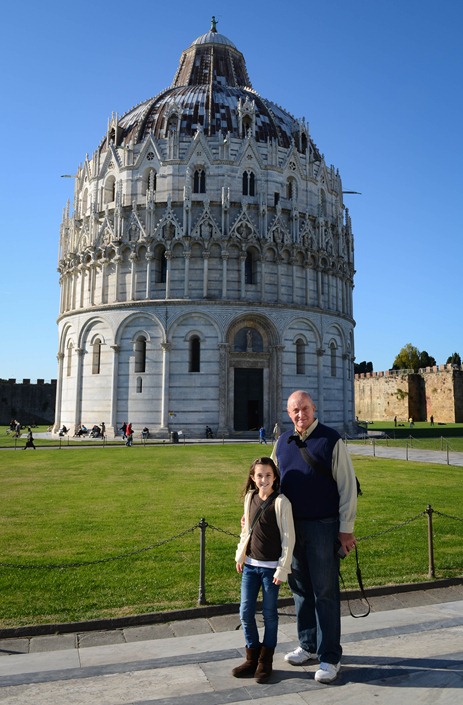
pixel 408 358
pixel 426 360
pixel 362 367
pixel 454 359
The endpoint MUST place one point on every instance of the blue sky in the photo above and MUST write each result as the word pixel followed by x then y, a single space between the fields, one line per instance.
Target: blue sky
pixel 379 81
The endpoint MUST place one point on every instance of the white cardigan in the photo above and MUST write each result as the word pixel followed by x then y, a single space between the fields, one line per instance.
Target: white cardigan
pixel 284 517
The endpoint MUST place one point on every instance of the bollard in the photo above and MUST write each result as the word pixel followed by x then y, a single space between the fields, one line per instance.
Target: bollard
pixel 431 570
pixel 202 562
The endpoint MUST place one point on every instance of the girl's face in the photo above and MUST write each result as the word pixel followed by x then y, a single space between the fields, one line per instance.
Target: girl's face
pixel 264 477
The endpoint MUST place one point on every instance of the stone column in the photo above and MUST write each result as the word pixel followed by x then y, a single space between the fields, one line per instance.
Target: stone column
pixel 117 266
pixel 166 347
pixel 224 274
pixel 319 289
pixel 307 284
pixel 133 269
pixel 242 276
pixel 262 278
pixel 186 283
pixel 224 421
pixel 321 399
pixel 149 259
pixel 92 273
pixel 103 284
pixel 168 256
pixel 112 428
pixel 59 392
pixel 82 269
pixel 205 273
pixel 78 397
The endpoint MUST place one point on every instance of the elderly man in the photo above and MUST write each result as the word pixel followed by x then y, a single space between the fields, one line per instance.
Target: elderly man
pixel 318 478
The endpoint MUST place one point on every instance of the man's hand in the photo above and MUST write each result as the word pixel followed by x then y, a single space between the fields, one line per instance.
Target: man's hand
pixel 347 542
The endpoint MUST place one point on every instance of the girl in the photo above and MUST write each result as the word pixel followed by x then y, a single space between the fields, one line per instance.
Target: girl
pixel 263 557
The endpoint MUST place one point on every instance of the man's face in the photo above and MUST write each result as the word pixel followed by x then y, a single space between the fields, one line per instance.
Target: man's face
pixel 301 411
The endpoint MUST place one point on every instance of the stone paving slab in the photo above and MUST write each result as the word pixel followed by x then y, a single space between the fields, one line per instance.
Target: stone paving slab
pixel 412 655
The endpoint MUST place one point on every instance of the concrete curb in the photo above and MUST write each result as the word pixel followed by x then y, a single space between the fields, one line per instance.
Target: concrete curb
pixel 205 611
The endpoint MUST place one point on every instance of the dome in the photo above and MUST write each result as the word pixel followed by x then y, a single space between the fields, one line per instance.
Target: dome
pixel 208 92
pixel 206 269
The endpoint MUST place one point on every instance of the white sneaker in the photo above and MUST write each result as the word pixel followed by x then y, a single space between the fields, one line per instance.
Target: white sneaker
pixel 327 672
pixel 299 656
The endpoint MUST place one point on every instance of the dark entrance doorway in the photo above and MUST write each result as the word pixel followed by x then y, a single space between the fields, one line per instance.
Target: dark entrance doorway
pixel 249 399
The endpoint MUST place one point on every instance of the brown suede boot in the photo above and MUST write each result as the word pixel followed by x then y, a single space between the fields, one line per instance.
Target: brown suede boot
pixel 248 667
pixel 264 667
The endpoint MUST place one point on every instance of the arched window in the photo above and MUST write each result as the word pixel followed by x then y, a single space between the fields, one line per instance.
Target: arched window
pixel 149 181
pixel 250 273
pixel 247 125
pixel 161 266
pixel 304 143
pixel 300 357
pixel 172 125
pixel 195 354
pixel 96 357
pixel 140 354
pixel 333 358
pixel 249 183
pixel 110 190
pixel 139 385
pixel 199 181
pixel 291 189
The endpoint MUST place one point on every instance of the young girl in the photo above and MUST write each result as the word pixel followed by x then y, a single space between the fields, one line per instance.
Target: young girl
pixel 263 557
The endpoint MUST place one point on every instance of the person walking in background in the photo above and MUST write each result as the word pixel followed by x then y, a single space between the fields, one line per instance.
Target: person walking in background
pixel 263 558
pixel 262 438
pixel 318 478
pixel 29 439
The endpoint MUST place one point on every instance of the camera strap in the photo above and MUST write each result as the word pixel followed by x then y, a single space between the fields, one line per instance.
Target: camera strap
pixel 362 589
pixel 261 510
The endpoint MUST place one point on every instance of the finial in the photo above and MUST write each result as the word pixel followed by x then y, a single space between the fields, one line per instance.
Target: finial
pixel 214 24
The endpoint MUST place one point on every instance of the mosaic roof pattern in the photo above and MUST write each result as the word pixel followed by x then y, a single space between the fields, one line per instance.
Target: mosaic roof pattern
pixel 210 83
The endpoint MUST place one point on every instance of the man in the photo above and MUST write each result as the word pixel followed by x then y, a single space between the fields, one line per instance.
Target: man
pixel 318 478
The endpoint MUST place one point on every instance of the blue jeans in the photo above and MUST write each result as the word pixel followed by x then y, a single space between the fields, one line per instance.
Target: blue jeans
pixel 253 579
pixel 314 582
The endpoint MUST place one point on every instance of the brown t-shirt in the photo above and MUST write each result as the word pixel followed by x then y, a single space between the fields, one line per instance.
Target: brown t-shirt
pixel 265 541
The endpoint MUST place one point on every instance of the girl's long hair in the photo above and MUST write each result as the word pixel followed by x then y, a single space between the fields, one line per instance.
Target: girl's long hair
pixel 251 485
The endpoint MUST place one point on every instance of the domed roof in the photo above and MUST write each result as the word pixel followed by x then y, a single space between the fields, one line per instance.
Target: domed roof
pixel 210 86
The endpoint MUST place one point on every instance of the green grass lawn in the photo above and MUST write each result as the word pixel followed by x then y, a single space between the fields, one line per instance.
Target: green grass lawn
pixel 127 519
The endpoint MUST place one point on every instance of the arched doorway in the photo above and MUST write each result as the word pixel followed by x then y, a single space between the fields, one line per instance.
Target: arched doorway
pixel 251 364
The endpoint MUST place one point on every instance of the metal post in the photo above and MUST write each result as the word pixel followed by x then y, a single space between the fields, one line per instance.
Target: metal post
pixel 448 454
pixel 202 562
pixel 431 571
pixel 374 448
pixel 406 451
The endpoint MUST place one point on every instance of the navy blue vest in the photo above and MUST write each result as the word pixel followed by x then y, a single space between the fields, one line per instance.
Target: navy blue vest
pixel 313 493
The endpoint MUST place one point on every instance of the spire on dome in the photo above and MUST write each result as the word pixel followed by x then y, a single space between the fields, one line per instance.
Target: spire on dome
pixel 214 23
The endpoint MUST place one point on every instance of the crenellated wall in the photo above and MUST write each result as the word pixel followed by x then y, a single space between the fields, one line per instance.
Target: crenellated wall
pixel 432 391
pixel 28 403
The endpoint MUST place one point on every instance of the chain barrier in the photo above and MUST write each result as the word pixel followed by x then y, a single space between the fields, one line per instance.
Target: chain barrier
pixel 223 531
pixel 392 528
pixel 83 564
pixel 203 525
pixel 447 516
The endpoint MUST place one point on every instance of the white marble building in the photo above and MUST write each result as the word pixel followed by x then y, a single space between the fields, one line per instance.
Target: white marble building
pixel 206 268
